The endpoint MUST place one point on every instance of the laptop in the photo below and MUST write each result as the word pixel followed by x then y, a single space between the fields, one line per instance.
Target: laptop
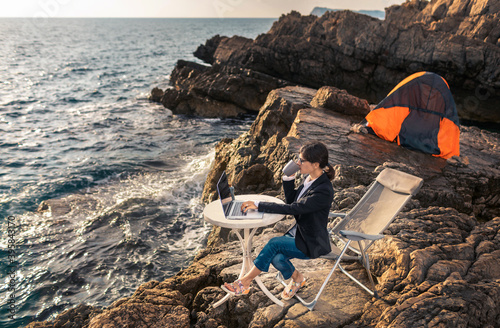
pixel 230 206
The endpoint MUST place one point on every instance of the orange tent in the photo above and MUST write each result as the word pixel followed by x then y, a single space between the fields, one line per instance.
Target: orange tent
pixel 419 113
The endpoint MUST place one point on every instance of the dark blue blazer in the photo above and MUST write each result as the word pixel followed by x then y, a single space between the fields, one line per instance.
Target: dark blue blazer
pixel 311 213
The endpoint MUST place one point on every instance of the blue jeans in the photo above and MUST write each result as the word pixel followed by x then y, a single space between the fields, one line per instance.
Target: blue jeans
pixel 279 251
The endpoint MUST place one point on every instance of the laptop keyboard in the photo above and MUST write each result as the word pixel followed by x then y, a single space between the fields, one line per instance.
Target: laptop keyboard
pixel 236 211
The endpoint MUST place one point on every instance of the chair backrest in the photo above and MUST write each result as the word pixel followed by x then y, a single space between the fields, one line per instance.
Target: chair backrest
pixel 385 198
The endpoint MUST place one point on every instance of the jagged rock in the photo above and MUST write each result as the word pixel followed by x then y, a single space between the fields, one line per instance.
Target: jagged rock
pixel 456 39
pixel 340 101
pixel 73 318
pixel 428 276
pixel 143 315
pixel 156 95
pixel 476 19
pixel 228 47
pixel 206 52
pixel 216 91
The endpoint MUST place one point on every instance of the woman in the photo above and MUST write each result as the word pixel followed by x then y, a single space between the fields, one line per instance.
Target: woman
pixel 308 238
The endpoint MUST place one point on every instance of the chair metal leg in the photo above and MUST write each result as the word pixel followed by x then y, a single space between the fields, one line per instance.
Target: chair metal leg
pixel 366 263
pixel 356 281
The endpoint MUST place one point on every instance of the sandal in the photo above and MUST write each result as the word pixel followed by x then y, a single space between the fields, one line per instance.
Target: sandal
pixel 237 288
pixel 291 289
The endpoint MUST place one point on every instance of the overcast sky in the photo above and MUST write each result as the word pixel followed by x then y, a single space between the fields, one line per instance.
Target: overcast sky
pixel 177 8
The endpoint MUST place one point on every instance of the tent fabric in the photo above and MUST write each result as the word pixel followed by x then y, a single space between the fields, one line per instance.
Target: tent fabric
pixel 419 113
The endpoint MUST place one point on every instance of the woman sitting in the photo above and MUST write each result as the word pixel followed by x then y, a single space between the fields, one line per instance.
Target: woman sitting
pixel 308 239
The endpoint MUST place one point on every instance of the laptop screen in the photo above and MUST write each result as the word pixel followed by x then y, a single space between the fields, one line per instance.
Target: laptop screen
pixel 223 190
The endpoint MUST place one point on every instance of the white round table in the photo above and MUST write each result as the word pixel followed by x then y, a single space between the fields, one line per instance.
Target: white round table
pixel 214 214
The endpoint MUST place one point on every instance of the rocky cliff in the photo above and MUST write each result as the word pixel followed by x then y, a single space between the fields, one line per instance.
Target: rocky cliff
pixel 438 265
pixel 457 39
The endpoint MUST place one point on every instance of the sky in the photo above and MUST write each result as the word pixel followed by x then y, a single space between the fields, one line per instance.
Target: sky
pixel 177 8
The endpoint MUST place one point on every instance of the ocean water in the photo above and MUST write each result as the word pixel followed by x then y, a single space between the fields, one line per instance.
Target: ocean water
pixel 76 126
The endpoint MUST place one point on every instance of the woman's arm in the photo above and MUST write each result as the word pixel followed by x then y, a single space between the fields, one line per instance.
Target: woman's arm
pixel 316 199
pixel 289 190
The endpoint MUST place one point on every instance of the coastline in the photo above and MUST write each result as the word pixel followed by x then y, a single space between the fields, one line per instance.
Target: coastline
pixel 442 250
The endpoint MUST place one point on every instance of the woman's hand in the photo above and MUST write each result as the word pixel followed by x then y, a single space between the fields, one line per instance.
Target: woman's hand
pixel 249 205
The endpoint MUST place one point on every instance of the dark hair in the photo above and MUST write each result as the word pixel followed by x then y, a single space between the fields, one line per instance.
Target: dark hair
pixel 316 152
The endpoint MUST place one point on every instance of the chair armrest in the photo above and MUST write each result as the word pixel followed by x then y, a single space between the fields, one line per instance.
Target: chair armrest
pixel 335 215
pixel 357 236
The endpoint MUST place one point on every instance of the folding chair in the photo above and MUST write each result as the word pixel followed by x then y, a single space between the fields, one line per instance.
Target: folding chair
pixel 364 224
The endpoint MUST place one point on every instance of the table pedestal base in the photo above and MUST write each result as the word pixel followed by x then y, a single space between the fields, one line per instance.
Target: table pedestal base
pixel 246 246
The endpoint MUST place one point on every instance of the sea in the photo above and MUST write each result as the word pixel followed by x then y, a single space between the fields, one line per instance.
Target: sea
pixel 123 175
